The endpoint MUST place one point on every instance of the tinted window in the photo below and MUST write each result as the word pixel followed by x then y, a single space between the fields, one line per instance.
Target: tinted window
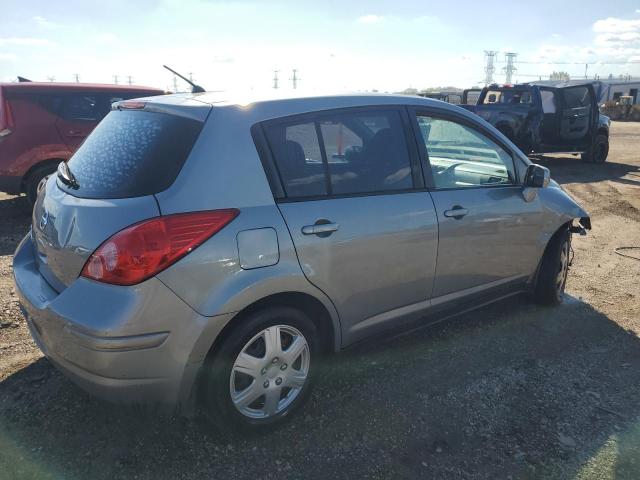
pixel 511 97
pixel 363 153
pixel 132 153
pixel 80 106
pixel 298 158
pixel 577 97
pixel 462 157
pixel 367 152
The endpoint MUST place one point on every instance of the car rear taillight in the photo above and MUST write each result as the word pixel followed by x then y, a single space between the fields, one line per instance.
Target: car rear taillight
pixel 145 249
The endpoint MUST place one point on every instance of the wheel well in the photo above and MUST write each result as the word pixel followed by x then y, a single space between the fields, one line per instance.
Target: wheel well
pixel 44 163
pixel 564 226
pixel 308 304
pixel 603 131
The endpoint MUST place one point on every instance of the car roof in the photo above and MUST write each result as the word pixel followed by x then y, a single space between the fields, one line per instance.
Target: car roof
pixel 59 86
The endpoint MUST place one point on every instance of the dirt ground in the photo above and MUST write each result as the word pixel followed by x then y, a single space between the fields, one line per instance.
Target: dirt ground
pixel 510 391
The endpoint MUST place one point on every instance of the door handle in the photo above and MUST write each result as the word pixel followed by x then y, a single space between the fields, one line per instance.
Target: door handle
pixel 322 229
pixel 456 212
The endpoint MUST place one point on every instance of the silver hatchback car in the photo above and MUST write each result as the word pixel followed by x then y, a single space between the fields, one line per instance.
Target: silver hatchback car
pixel 200 251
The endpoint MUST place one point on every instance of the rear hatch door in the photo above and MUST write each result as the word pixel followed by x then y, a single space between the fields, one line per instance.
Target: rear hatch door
pixel 110 184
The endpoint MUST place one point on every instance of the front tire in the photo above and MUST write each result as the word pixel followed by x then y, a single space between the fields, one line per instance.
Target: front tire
pixel 599 151
pixel 262 372
pixel 554 269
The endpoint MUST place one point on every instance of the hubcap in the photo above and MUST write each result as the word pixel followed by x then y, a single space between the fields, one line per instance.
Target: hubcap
pixel 563 267
pixel 270 372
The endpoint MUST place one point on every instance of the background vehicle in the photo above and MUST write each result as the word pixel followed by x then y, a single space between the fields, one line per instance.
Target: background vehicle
pixel 245 240
pixel 42 124
pixel 623 108
pixel 546 118
pixel 470 96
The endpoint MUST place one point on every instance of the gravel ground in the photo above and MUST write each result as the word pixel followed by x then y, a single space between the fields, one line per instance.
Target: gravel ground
pixel 510 391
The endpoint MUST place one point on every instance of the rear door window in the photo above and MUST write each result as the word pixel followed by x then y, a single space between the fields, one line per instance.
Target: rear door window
pixel 297 152
pixel 576 97
pixel 342 154
pixel 131 154
pixel 80 107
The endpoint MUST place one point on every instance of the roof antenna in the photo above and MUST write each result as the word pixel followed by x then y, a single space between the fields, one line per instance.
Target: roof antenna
pixel 194 88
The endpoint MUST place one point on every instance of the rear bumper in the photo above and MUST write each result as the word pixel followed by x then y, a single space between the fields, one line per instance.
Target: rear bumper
pixel 138 344
pixel 10 184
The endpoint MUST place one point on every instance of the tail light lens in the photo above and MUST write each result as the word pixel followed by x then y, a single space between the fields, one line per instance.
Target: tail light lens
pixel 145 249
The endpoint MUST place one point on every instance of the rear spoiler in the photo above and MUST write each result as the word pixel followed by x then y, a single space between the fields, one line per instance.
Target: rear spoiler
pixel 179 105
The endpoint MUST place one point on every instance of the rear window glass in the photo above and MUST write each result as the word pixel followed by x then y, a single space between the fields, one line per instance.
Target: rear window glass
pixel 132 154
pixel 511 97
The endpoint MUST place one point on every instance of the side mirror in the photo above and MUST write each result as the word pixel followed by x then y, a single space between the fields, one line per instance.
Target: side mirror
pixel 537 176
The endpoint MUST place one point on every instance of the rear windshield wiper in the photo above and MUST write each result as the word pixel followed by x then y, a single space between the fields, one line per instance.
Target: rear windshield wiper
pixel 65 175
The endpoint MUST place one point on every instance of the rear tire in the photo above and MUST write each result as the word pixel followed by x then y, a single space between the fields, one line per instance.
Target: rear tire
pixel 599 150
pixel 554 268
pixel 34 179
pixel 243 367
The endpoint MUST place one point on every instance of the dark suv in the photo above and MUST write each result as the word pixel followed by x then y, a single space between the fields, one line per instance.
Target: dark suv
pixel 548 117
pixel 42 124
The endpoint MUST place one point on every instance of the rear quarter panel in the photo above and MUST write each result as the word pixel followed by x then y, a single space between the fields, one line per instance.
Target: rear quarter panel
pixel 34 139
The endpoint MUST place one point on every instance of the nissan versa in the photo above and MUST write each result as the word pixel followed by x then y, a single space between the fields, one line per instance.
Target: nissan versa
pixel 196 251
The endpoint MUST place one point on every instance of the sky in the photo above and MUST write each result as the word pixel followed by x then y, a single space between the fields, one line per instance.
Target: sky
pixel 335 45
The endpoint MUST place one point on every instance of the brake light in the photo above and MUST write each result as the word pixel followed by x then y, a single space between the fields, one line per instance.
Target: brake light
pixel 132 105
pixel 145 249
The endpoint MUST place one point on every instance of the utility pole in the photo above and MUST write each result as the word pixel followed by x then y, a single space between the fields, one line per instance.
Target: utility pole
pixel 175 84
pixel 115 79
pixel 510 68
pixel 295 79
pixel 490 56
pixel 275 79
pixel 129 79
pixel 77 77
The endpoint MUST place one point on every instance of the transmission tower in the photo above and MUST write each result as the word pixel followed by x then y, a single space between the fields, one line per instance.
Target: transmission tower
pixel 490 68
pixel 115 79
pixel 275 79
pixel 129 79
pixel 175 84
pixel 295 79
pixel 76 76
pixel 510 68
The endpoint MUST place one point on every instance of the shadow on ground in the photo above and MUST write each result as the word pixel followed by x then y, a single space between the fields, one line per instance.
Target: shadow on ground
pixel 15 218
pixel 570 169
pixel 512 389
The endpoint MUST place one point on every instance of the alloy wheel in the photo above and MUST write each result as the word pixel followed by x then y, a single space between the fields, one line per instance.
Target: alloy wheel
pixel 270 372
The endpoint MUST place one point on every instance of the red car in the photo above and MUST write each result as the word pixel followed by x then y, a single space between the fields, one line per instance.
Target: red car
pixel 42 124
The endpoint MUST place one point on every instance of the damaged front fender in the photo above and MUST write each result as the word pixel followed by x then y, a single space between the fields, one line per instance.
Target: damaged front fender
pixel 561 208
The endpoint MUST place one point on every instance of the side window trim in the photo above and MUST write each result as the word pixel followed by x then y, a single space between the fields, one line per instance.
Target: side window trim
pixel 325 162
pixel 268 162
pixel 274 177
pixel 454 117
